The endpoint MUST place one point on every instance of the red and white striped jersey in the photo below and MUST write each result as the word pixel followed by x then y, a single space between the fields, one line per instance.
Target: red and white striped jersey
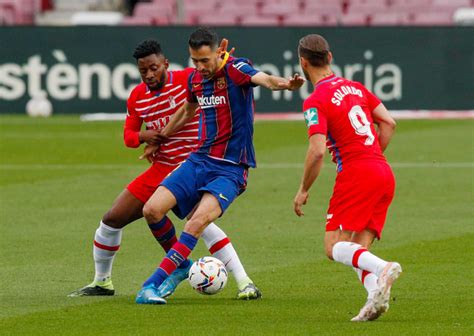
pixel 155 108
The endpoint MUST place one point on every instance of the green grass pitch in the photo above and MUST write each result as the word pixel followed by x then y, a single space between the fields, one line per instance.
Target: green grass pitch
pixel 59 175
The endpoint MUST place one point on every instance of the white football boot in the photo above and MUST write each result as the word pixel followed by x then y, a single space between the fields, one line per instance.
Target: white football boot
pixel 369 312
pixel 390 273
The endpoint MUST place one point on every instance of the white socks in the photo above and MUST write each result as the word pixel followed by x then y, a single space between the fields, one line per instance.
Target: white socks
pixel 352 254
pixel 369 280
pixel 106 244
pixel 220 247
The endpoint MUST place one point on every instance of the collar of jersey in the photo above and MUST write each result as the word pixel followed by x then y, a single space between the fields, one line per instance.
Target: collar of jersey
pixel 325 79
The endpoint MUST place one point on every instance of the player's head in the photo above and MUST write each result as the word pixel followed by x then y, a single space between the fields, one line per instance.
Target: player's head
pixel 204 51
pixel 152 64
pixel 314 52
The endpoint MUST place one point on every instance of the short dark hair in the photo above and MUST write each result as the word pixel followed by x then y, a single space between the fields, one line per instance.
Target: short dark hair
pixel 315 49
pixel 147 48
pixel 203 36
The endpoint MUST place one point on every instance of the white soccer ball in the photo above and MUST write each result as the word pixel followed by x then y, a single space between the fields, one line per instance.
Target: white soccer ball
pixel 39 106
pixel 208 275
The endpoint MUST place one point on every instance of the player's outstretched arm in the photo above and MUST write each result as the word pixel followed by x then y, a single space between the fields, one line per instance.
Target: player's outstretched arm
pixel 386 125
pixel 312 167
pixel 180 118
pixel 276 83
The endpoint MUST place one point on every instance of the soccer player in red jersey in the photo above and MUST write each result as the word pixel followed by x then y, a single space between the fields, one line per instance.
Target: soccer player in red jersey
pixel 153 102
pixel 340 115
pixel 216 173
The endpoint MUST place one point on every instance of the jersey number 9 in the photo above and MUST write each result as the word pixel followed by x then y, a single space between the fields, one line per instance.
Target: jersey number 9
pixel 361 124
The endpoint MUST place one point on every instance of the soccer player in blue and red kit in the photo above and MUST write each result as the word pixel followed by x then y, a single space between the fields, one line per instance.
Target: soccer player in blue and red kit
pixel 205 185
pixel 153 103
pixel 340 115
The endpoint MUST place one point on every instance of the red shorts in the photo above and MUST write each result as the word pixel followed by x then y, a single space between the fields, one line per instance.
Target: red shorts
pixel 361 197
pixel 145 185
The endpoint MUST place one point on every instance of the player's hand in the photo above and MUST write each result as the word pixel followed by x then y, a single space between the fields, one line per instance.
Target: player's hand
pixel 294 83
pixel 223 48
pixel 149 152
pixel 300 199
pixel 152 137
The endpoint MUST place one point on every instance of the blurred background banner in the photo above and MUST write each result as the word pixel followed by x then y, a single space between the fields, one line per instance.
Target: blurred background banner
pixel 90 69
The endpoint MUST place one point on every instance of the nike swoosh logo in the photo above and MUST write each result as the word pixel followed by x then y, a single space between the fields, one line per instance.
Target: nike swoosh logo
pixel 223 197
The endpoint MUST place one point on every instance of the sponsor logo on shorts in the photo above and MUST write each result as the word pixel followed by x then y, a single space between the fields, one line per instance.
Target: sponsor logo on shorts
pixel 328 218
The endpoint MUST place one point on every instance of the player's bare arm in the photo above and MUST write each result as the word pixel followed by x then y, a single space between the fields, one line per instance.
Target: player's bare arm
pixel 386 125
pixel 312 168
pixel 276 83
pixel 151 137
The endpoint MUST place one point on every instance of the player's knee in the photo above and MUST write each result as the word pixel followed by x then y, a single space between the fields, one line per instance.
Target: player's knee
pixel 152 214
pixel 328 248
pixel 112 220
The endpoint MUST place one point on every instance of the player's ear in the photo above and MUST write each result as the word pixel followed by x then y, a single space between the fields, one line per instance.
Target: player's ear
pixel 303 63
pixel 329 57
pixel 166 63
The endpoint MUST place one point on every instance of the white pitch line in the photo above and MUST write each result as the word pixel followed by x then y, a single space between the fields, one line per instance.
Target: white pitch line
pixel 55 135
pixel 394 165
pixel 67 167
pixel 281 165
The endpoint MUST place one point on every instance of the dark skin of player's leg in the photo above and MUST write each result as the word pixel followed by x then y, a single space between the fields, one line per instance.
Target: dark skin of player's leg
pixel 125 210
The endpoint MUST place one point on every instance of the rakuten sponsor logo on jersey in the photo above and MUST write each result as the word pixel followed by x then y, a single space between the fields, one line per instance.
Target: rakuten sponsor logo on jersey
pixel 343 91
pixel 212 101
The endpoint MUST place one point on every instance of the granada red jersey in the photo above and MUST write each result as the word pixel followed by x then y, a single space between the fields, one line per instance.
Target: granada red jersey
pixel 155 108
pixel 342 110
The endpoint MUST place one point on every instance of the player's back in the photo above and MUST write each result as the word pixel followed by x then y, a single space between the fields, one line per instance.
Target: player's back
pixel 346 108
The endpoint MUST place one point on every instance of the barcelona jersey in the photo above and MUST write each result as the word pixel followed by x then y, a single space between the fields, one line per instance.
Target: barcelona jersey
pixel 227 104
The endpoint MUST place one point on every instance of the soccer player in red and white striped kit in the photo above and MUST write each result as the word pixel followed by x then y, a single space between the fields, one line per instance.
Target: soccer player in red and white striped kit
pixel 340 115
pixel 154 102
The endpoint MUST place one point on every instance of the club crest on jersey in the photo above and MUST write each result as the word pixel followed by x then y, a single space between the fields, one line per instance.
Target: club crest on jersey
pixel 172 101
pixel 311 116
pixel 221 83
